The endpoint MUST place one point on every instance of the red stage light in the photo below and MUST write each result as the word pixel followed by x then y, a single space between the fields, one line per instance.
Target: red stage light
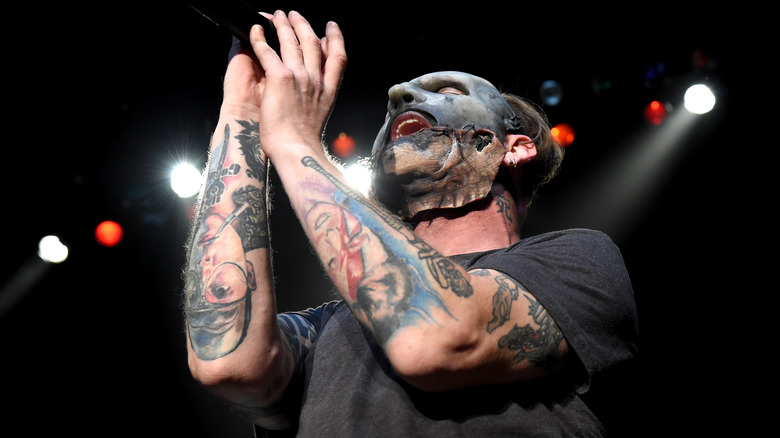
pixel 655 112
pixel 344 145
pixel 563 133
pixel 108 233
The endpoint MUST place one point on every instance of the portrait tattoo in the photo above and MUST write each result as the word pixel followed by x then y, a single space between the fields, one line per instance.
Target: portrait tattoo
pixel 386 272
pixel 539 346
pixel 439 267
pixel 220 279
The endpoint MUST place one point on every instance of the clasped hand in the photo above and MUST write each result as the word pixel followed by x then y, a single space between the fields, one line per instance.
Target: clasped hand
pixel 290 93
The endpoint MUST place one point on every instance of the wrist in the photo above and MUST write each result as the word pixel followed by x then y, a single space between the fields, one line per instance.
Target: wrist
pixel 240 111
pixel 282 149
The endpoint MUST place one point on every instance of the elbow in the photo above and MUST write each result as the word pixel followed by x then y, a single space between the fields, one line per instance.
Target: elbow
pixel 215 374
pixel 432 366
pixel 229 376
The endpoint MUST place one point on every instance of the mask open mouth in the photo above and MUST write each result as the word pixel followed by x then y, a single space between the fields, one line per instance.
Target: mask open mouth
pixel 408 123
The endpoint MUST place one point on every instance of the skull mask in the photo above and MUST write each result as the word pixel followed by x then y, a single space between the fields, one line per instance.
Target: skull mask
pixel 441 144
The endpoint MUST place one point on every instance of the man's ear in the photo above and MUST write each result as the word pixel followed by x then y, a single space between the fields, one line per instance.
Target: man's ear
pixel 519 149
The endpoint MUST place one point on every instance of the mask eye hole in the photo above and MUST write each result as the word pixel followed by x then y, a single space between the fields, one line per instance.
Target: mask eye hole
pixel 451 91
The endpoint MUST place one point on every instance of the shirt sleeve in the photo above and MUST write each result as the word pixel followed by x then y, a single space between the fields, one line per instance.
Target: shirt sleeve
pixel 579 276
pixel 320 314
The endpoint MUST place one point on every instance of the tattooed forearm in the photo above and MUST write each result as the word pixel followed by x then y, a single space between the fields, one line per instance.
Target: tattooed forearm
pixel 249 141
pixel 452 278
pixel 253 227
pixel 391 220
pixel 439 267
pixel 231 221
pixel 254 230
pixel 539 346
pixel 214 184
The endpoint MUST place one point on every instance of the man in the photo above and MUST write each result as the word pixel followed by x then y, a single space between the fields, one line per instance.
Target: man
pixel 449 324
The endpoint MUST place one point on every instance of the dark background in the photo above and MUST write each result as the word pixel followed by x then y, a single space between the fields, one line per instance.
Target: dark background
pixel 105 99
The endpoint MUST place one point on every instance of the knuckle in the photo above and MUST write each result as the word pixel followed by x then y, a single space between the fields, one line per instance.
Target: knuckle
pixel 341 58
pixel 311 40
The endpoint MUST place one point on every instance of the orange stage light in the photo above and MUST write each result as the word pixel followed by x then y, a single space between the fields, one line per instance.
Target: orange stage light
pixel 563 133
pixel 344 145
pixel 108 233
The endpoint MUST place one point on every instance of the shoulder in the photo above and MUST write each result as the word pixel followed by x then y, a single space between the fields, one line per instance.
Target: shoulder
pixel 579 250
pixel 572 238
pixel 572 250
pixel 574 261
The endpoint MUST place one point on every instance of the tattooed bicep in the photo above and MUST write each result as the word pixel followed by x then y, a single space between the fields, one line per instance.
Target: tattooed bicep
pixel 522 324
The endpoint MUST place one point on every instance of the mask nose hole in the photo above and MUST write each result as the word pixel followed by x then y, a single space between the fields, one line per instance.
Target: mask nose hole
pixel 404 93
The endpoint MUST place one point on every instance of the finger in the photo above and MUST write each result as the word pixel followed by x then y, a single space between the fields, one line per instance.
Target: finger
pixel 265 54
pixel 289 48
pixel 309 43
pixel 335 56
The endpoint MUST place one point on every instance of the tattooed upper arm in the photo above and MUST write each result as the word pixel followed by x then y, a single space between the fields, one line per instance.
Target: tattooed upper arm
pixel 520 325
pixel 299 333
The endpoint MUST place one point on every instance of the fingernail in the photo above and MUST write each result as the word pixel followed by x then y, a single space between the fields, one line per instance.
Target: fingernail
pixel 256 32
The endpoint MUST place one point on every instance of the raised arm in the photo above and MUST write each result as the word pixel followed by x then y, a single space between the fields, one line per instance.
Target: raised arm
pixel 436 322
pixel 234 343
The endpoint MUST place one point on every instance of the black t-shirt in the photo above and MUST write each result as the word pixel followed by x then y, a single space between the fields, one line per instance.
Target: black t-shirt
pixel 349 388
pixel 580 278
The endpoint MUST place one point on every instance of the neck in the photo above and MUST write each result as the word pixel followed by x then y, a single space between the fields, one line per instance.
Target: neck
pixel 482 225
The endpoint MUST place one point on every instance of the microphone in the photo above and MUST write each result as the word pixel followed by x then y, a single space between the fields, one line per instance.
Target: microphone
pixel 236 17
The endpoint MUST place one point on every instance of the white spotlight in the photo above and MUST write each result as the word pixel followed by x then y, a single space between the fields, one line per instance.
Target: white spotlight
pixel 359 177
pixel 51 250
pixel 185 180
pixel 699 99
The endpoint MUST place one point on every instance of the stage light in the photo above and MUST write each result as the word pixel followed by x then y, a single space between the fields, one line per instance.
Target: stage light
pixel 655 112
pixel 108 233
pixel 186 180
pixel 563 133
pixel 699 99
pixel 551 92
pixel 344 145
pixel 52 250
pixel 359 177
pixel 618 190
